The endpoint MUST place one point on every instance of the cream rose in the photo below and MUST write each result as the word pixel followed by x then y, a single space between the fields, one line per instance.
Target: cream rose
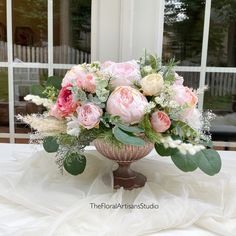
pixel 152 84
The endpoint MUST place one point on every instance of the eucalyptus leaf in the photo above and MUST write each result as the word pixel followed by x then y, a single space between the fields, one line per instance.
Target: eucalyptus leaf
pixel 123 137
pixel 184 162
pixel 74 163
pixel 162 151
pixel 50 144
pixel 208 160
pixel 132 129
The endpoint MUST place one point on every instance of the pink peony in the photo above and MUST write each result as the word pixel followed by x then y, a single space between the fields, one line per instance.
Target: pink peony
pixel 128 103
pixel 89 115
pixel 76 74
pixel 184 95
pixel 160 121
pixel 79 76
pixel 125 73
pixel 65 103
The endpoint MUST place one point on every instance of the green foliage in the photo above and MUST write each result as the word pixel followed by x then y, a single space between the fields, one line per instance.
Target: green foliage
pixel 184 162
pixel 127 138
pixel 102 90
pixel 54 81
pixel 37 89
pixel 208 160
pixel 109 137
pixel 50 144
pixel 162 151
pixel 183 130
pixel 74 163
pixel 51 93
pixel 149 132
pixel 132 129
pixel 149 60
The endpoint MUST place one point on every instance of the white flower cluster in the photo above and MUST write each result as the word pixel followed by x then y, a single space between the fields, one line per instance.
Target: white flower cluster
pixel 73 127
pixel 184 148
pixel 149 107
pixel 38 100
pixel 165 98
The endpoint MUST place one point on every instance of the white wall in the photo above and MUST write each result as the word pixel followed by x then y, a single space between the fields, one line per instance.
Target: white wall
pixel 121 29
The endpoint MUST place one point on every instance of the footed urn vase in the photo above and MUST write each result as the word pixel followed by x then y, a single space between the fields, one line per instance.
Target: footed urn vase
pixel 124 176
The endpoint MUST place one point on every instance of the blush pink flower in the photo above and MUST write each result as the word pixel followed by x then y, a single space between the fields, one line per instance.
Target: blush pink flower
pixel 89 83
pixel 160 121
pixel 89 115
pixel 124 74
pixel 65 103
pixel 184 95
pixel 127 103
pixel 76 74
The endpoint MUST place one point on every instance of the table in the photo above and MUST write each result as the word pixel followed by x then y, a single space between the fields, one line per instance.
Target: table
pixel 35 199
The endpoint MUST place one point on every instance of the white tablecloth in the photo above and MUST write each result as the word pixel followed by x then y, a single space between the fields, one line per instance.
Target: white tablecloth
pixel 35 199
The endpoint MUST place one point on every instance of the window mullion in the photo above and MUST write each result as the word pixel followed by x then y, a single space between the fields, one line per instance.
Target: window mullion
pixel 204 50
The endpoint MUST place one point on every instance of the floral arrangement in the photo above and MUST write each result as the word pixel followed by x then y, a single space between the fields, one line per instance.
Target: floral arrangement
pixel 123 103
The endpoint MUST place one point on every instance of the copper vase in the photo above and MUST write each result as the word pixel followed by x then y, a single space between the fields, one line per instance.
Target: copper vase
pixel 124 176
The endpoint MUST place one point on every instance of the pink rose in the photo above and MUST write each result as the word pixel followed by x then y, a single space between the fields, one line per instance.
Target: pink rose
pixel 128 103
pixel 65 103
pixel 89 115
pixel 89 84
pixel 160 121
pixel 125 73
pixel 178 79
pixel 184 95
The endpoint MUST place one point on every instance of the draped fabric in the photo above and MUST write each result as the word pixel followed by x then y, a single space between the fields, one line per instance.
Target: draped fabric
pixel 36 199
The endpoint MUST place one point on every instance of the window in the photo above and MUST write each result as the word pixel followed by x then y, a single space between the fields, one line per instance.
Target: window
pixel 37 39
pixel 201 35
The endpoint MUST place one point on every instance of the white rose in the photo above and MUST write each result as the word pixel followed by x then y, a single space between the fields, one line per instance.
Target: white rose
pixel 152 84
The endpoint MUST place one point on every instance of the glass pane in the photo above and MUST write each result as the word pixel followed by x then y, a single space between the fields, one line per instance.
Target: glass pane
pixel 30 31
pixel 21 140
pixel 72 31
pixel 191 79
pixel 4 140
pixel 3 31
pixel 221 99
pixel 4 109
pixel 24 78
pixel 183 31
pixel 222 34
pixel 60 72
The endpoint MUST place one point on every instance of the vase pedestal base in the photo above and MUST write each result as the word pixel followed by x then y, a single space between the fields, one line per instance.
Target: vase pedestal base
pixel 125 177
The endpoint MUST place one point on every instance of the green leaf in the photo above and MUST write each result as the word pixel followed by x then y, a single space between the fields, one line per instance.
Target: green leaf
pixel 37 89
pixel 208 160
pixel 50 144
pixel 54 81
pixel 207 143
pixel 127 139
pixel 184 162
pixel 162 151
pixel 75 163
pixel 131 129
